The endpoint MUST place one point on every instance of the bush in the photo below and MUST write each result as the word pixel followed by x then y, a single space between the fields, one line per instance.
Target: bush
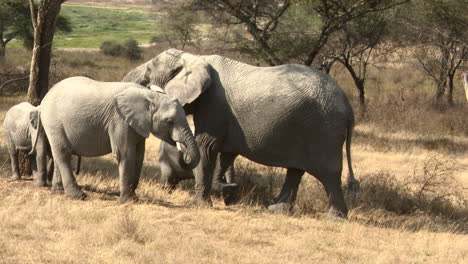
pixel 111 48
pixel 155 39
pixel 129 49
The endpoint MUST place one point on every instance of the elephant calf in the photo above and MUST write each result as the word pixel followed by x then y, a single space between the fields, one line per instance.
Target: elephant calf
pixel 20 128
pixel 89 118
pixel 173 171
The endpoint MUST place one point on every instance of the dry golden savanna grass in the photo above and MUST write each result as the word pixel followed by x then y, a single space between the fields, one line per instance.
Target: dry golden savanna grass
pixel 40 227
pixel 410 157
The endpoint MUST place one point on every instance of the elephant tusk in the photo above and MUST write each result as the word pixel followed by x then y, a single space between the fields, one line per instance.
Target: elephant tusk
pixel 179 147
pixel 157 88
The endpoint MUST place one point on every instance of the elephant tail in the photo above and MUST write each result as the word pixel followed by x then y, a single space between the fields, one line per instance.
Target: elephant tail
pixel 78 165
pixel 353 184
pixel 34 143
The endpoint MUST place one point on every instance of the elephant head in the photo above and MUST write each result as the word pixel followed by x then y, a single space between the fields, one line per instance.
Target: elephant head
pixel 181 75
pixel 147 111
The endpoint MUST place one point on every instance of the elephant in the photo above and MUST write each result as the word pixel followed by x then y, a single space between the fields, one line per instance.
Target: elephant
pixel 173 171
pixel 20 129
pixel 89 118
pixel 290 116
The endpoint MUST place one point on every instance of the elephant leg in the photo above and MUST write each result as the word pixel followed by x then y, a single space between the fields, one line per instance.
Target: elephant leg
pixel 14 161
pixel 169 179
pixel 33 164
pixel 226 186
pixel 62 158
pixel 41 167
pixel 283 202
pixel 224 163
pixel 50 170
pixel 336 202
pixel 230 174
pixel 203 176
pixel 140 156
pixel 57 184
pixel 127 167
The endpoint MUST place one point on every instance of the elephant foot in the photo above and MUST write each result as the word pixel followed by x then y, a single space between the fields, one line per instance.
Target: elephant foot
pixel 229 192
pixel 15 177
pixel 200 202
pixel 336 215
pixel 57 189
pixel 128 199
pixel 280 208
pixel 76 194
pixel 41 184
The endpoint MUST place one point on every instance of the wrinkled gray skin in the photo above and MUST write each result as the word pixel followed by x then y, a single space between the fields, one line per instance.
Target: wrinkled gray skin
pixel 89 118
pixel 172 172
pixel 20 129
pixel 289 116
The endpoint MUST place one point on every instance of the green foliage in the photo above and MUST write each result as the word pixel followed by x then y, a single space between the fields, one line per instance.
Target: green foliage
pixel 15 23
pixel 178 24
pixel 94 25
pixel 129 49
pixel 286 31
pixel 436 30
pixel 111 48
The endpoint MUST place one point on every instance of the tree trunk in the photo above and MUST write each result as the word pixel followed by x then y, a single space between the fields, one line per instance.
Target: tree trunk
pixel 359 83
pixel 450 89
pixel 44 22
pixel 2 50
pixel 362 97
pixel 441 85
pixel 40 62
pixel 24 163
pixel 465 83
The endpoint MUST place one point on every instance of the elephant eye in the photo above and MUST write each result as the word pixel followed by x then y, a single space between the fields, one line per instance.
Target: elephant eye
pixel 170 121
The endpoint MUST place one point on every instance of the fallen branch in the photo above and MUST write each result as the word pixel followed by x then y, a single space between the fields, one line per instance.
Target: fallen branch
pixel 12 80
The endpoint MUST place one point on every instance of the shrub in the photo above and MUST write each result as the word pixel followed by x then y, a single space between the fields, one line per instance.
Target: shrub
pixel 155 39
pixel 111 48
pixel 131 50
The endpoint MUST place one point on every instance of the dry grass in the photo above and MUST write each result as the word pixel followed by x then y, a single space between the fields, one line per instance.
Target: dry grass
pixel 411 160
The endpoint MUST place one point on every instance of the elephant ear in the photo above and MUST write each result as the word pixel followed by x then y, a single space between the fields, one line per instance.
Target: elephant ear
pixel 34 119
pixel 192 80
pixel 134 106
pixel 35 123
pixel 139 75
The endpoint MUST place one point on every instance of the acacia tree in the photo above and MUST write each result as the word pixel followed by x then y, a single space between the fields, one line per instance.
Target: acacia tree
pixel 44 22
pixel 359 44
pixel 438 31
pixel 44 19
pixel 15 23
pixel 282 31
pixel 178 23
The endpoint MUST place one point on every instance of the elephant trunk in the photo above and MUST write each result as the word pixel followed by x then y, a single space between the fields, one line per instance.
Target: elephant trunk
pixel 190 154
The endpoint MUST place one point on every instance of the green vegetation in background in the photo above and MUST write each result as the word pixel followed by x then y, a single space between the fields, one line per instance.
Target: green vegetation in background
pixel 94 25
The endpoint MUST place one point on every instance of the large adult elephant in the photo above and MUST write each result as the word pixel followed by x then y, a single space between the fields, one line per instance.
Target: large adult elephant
pixel 89 118
pixel 290 116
